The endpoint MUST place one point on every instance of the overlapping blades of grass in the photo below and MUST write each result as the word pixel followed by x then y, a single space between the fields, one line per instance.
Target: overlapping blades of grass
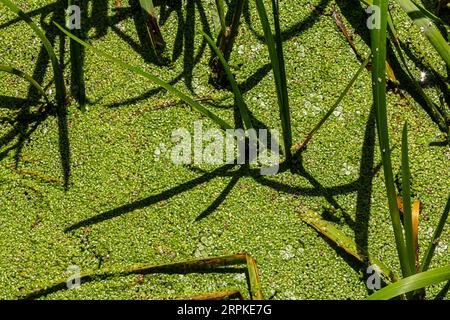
pixel 414 282
pixel 378 44
pixel 243 110
pixel 274 44
pixel 191 102
pixel 427 26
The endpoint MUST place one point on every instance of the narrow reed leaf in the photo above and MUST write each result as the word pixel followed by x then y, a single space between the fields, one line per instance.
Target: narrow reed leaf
pixel 58 74
pixel 435 239
pixel 17 72
pixel 191 102
pixel 427 27
pixel 416 208
pixel 277 60
pixel 221 12
pixel 378 44
pixel 411 283
pixel 253 275
pixel 406 201
pixel 432 109
pixel 301 145
pixel 243 110
pixel 328 230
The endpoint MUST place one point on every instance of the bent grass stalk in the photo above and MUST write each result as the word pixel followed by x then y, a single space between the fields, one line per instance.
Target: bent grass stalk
pixel 298 147
pixel 328 230
pixel 199 265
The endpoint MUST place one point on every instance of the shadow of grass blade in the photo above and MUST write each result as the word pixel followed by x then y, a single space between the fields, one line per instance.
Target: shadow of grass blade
pixel 378 44
pixel 17 72
pixel 243 110
pixel 76 61
pixel 277 60
pixel 58 74
pixel 434 241
pixel 411 283
pixel 191 102
pixel 428 28
pixel 328 230
pixel 301 145
pixel 406 197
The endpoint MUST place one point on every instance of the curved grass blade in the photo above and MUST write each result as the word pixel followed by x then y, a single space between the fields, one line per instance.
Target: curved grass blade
pixel 378 44
pixel 406 200
pixel 243 110
pixel 414 282
pixel 59 78
pixel 179 267
pixel 17 72
pixel 328 230
pixel 434 241
pixel 191 102
pixel 274 45
pixel 301 145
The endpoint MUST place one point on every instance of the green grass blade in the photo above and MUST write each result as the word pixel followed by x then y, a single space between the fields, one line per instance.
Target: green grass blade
pixel 243 110
pixel 76 60
pixel 194 104
pixel 221 12
pixel 378 44
pixel 59 78
pixel 428 28
pixel 17 72
pixel 301 145
pixel 414 282
pixel 328 230
pixel 277 60
pixel 406 196
pixel 434 241
pixel 430 15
